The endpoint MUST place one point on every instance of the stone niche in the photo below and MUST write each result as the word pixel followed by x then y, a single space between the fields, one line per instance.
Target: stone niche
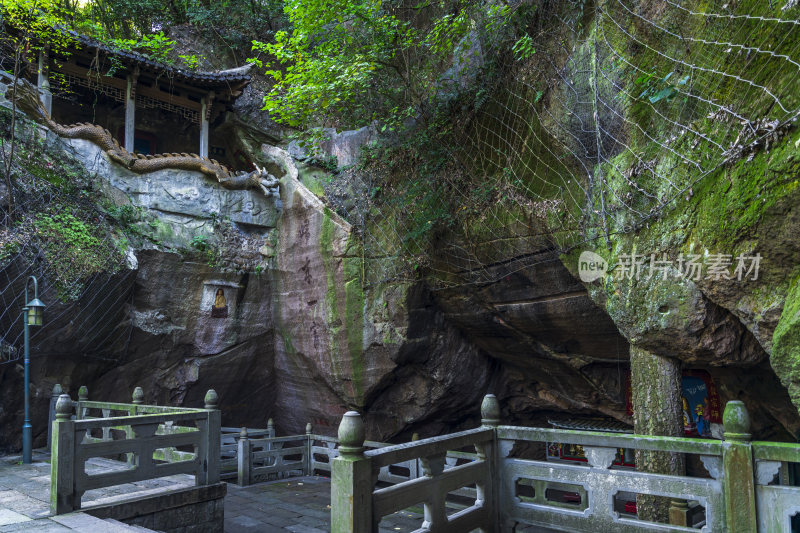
pixel 217 317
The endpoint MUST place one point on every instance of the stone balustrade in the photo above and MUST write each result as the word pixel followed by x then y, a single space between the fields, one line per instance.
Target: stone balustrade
pixel 740 493
pixel 149 435
pixel 229 447
pixel 268 457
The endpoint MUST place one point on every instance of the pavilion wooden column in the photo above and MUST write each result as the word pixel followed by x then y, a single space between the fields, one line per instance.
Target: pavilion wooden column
pixel 205 114
pixel 43 83
pixel 130 110
pixel 656 388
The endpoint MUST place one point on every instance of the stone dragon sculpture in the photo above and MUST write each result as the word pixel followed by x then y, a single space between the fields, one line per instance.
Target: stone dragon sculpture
pixel 27 100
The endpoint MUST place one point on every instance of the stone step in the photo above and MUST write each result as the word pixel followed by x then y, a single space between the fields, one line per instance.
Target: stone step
pixel 129 527
pixel 83 522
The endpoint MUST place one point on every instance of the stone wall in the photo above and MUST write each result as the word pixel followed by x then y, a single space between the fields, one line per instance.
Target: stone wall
pixel 193 510
pixel 187 202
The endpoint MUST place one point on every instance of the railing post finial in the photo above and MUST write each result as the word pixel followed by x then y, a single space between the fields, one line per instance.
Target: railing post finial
pixel 138 396
pixel 57 390
pixel 490 411
pixel 211 399
pixel 243 433
pixel 736 421
pixel 351 434
pixel 738 483
pixel 83 393
pixel 64 407
pixel 351 480
pixel 308 428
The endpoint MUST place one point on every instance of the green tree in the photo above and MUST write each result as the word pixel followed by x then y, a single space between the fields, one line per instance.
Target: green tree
pixel 234 22
pixel 348 62
pixel 28 28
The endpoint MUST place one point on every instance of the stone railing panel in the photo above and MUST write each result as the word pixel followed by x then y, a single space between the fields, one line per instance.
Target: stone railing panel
pixel 744 492
pixel 596 511
pixel 776 502
pixel 265 459
pixel 358 506
pixel 151 434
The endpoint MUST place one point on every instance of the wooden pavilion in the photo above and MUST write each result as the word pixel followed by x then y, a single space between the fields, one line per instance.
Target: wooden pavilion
pixel 149 106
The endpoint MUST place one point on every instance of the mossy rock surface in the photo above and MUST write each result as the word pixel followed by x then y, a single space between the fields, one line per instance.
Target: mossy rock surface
pixel 785 357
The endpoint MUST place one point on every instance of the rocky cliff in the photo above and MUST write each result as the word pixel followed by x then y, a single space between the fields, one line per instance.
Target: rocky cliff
pixel 275 302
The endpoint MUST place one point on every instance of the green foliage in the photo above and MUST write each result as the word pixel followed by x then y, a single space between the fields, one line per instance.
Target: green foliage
pixel 234 21
pixel 126 215
pixel 656 89
pixel 156 45
pixel 200 242
pixel 330 163
pixel 26 26
pixel 208 251
pixel 67 229
pixel 33 23
pixel 8 247
pixel 191 61
pixel 72 250
pixel 523 48
pixel 349 62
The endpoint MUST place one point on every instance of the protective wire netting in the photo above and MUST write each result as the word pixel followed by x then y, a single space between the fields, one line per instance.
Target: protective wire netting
pixel 57 233
pixel 623 109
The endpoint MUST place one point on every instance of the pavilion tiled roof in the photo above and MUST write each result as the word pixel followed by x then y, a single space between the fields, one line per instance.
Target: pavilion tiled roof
pixel 197 78
pixel 591 424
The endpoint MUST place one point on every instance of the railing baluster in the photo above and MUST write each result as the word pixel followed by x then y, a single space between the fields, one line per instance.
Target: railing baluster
pixel 211 436
pixel 307 462
pixel 244 461
pixel 137 398
pixel 62 483
pixel 51 417
pixel 434 505
pixel 351 482
pixel 487 490
pixel 738 485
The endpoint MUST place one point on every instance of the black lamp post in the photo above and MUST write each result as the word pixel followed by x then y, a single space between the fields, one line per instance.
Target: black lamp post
pixel 32 315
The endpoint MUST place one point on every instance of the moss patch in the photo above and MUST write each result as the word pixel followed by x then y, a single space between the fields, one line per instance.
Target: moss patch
pixel 785 356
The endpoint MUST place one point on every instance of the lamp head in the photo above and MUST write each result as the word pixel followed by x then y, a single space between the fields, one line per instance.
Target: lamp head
pixel 35 312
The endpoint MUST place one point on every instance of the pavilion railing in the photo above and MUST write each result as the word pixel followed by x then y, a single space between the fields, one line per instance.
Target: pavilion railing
pixel 271 457
pixel 229 447
pixel 739 493
pixel 149 436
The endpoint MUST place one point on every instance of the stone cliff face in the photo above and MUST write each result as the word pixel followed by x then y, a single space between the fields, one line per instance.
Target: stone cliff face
pixel 282 322
pixel 305 339
pixel 383 350
pixel 741 330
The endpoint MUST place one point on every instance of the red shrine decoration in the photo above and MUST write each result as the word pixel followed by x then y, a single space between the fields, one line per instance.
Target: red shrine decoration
pixel 700 401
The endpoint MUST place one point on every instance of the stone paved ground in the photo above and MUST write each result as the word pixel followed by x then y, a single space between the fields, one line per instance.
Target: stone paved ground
pixel 300 505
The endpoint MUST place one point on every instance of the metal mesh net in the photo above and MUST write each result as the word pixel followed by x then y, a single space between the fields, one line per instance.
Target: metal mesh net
pixel 58 233
pixel 624 108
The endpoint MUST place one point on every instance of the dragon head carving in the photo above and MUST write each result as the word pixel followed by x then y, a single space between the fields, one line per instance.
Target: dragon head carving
pixel 265 181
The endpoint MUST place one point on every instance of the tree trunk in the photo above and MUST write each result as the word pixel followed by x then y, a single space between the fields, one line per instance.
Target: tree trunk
pixel 656 388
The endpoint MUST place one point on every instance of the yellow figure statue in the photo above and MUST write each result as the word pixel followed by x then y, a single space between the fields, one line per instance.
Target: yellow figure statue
pixel 219 300
pixel 687 418
pixel 220 307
